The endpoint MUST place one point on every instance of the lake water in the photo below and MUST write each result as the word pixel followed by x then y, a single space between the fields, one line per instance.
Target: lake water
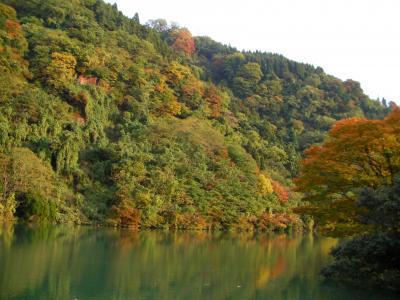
pixel 105 264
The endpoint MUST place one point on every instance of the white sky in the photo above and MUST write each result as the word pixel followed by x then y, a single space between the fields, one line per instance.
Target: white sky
pixel 357 39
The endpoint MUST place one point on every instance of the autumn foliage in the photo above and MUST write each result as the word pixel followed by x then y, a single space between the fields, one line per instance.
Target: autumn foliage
pixel 281 191
pixel 214 100
pixel 358 153
pixel 277 220
pixel 146 126
pixel 183 41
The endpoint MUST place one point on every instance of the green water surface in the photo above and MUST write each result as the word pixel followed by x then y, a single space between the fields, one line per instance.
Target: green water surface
pixel 105 264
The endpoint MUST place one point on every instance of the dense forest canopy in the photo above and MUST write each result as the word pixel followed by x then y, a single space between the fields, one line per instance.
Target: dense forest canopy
pixel 106 120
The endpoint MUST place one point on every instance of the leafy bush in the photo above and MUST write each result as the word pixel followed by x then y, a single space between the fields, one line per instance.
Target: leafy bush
pixel 33 207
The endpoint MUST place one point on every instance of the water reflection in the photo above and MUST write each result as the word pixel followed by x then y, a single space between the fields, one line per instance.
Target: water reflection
pixel 90 263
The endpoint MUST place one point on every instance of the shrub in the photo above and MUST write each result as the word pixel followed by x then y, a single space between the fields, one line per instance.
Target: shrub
pixel 34 207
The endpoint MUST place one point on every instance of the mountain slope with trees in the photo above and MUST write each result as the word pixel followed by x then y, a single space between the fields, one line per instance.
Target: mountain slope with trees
pixel 105 120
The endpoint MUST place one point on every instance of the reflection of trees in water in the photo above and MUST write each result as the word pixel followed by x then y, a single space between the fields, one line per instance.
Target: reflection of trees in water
pixel 6 235
pixel 68 263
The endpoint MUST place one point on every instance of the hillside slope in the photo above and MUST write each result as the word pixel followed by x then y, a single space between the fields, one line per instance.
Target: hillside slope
pixel 105 120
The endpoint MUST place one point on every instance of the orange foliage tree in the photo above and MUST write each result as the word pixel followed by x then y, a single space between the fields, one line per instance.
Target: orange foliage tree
pixel 281 192
pixel 183 41
pixel 358 153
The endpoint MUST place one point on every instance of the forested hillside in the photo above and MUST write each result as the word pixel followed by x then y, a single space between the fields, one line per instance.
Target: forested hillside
pixel 106 120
